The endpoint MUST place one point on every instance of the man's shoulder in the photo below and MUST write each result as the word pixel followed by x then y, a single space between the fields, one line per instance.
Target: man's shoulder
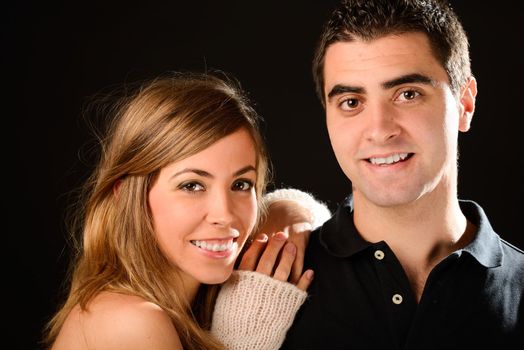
pixel 314 239
pixel 513 255
pixel 316 250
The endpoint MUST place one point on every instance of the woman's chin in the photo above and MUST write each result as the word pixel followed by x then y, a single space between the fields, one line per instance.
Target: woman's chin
pixel 217 277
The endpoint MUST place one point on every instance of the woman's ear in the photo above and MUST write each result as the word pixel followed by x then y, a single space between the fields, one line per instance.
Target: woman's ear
pixel 467 104
pixel 116 187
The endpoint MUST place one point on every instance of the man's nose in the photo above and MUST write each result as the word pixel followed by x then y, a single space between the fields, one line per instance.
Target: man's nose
pixel 382 125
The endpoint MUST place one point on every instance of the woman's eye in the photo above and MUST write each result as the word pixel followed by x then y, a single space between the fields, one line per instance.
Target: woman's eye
pixel 242 185
pixel 191 187
pixel 349 104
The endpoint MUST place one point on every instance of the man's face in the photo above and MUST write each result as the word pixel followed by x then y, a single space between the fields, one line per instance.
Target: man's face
pixel 392 118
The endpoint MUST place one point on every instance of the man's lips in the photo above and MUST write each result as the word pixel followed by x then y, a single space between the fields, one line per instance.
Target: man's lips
pixel 390 159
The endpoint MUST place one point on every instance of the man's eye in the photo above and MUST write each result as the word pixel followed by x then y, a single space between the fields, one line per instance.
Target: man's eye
pixel 349 104
pixel 409 95
pixel 242 185
pixel 191 187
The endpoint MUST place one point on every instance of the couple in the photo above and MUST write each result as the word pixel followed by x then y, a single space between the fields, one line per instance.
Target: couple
pixel 403 263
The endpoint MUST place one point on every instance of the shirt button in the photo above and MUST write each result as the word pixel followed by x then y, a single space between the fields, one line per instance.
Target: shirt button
pixel 379 254
pixel 397 299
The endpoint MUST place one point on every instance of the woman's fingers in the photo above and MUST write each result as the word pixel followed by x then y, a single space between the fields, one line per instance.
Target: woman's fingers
pixel 299 236
pixel 268 259
pixel 252 254
pixel 305 281
pixel 286 261
pixel 275 257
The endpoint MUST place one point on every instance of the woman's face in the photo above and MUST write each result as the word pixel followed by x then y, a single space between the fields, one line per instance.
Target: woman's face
pixel 205 206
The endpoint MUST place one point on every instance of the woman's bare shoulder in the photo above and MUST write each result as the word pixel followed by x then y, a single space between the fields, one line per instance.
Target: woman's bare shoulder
pixel 118 321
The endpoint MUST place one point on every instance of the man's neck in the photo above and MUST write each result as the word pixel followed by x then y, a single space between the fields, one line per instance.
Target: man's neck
pixel 420 234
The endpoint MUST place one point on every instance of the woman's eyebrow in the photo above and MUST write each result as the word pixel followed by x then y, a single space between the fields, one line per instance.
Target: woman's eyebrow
pixel 204 173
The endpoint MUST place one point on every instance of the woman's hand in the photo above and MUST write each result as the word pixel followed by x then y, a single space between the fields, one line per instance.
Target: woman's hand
pixel 256 306
pixel 295 220
pixel 274 256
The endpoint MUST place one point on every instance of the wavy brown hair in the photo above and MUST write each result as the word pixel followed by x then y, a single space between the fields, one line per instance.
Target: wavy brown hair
pixel 165 120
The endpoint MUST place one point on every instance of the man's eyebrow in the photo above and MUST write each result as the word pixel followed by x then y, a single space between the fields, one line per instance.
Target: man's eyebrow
pixel 342 89
pixel 407 79
pixel 204 173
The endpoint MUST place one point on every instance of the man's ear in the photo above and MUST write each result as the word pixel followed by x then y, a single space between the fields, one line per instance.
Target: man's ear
pixel 467 104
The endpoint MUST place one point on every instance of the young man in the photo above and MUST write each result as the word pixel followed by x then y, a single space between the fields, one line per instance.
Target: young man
pixel 403 264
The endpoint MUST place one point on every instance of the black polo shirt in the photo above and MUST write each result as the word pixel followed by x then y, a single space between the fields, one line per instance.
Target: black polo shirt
pixel 360 297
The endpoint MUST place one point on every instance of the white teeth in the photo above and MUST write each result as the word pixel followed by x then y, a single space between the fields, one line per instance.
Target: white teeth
pixel 394 158
pixel 214 247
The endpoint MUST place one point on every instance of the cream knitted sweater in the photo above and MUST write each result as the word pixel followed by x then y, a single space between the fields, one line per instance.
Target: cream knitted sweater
pixel 254 311
pixel 319 212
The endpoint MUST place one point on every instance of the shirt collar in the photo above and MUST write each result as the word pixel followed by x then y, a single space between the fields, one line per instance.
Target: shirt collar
pixel 486 246
pixel 339 235
pixel 341 239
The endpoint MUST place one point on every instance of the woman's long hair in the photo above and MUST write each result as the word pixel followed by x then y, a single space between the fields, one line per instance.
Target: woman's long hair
pixel 165 120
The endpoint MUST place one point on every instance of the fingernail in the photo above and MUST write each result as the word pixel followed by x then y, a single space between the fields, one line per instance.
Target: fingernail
pixel 309 274
pixel 290 248
pixel 280 236
pixel 262 238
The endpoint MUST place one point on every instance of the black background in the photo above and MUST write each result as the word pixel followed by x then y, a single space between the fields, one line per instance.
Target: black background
pixel 57 55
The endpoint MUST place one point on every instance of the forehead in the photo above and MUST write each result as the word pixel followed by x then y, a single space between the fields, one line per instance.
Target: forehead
pixel 381 59
pixel 226 155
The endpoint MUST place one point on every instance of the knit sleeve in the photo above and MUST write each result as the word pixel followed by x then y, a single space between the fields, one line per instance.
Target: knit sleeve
pixel 318 210
pixel 254 311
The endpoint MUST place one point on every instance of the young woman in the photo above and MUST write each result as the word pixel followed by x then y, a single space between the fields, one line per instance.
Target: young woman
pixel 173 200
